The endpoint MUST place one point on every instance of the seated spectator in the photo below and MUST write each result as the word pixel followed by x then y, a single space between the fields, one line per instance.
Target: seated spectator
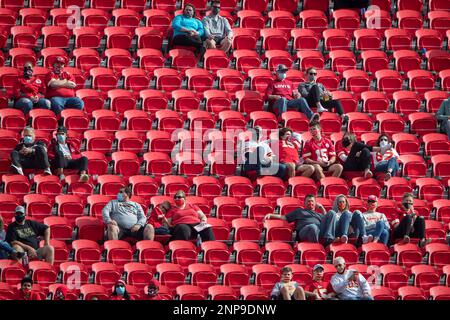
pixel 346 222
pixel 125 218
pixel 259 157
pixel 319 152
pixel 29 91
pixel 120 292
pixel 386 159
pixel 287 289
pixel 310 225
pixel 60 293
pixel 290 144
pixel 152 292
pixel 24 234
pixel 349 284
pixel 158 218
pixel 25 292
pixel 61 88
pixel 443 117
pixel 188 31
pixel 188 221
pixel 408 223
pixel 217 29
pixel 375 223
pixel 65 154
pixel 30 154
pixel 317 96
pixel 284 97
pixel 358 158
pixel 6 250
pixel 318 289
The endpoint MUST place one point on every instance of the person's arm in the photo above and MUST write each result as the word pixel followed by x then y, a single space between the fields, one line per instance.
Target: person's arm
pixel 228 29
pixel 339 284
pixel 106 213
pixel 276 290
pixel 200 29
pixel 273 216
pixel 269 92
pixel 205 22
pixel 140 216
pixel 45 230
pixel 56 83
pixel 201 216
pixel 302 90
pixel 440 114
pixel 364 285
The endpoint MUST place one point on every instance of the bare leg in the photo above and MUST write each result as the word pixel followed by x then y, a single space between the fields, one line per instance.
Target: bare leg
pixel 306 170
pixel 210 44
pixel 48 253
pixel 225 45
pixel 319 171
pixel 149 232
pixel 285 294
pixel 290 169
pixel 336 170
pixel 113 232
pixel 18 249
pixel 299 294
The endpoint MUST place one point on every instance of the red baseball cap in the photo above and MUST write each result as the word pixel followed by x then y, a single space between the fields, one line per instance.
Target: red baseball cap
pixel 372 198
pixel 60 59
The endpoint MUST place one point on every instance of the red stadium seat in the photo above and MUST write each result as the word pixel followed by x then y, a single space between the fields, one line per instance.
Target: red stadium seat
pixel 118 37
pixel 170 275
pixel 301 274
pixel 383 293
pixel 274 39
pixel 310 58
pixel 429 189
pixel 442 207
pixel 394 276
pixel 409 20
pixel 406 102
pixel 425 277
pixel 407 255
pixel 438 60
pixel 347 20
pixel 220 292
pixel 266 276
pixel 87 252
pixel 215 60
pixel 244 39
pixel 440 293
pixel 396 187
pixel 150 253
pixel 90 228
pixel 96 202
pixel 103 79
pixel 43 273
pixel 234 276
pixel 110 184
pixel 157 163
pixel 11 271
pixel 304 39
pixel 388 81
pixel 429 39
pixel 422 123
pixel 398 39
pixel 159 141
pixel 333 186
pixel 246 230
pixel 88 291
pixel 406 143
pixel 105 274
pixel 189 292
pixel 411 293
pixel 439 20
pixel 336 39
pixel 251 19
pixel 282 20
pixel 202 275
pixel 314 19
pixel 60 229
pixel 375 254
pixel 182 253
pixel 168 120
pixel 277 230
pixel 440 164
pixel 153 100
pixel 374 60
pixel 420 81
pixel 38 206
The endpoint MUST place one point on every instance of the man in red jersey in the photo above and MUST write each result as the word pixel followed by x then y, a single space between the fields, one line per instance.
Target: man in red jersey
pixel 319 289
pixel 61 88
pixel 25 292
pixel 281 92
pixel 319 152
pixel 29 91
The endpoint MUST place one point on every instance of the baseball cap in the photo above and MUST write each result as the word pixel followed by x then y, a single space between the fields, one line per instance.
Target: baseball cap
pixel 19 209
pixel 318 266
pixel 60 60
pixel 62 129
pixel 281 68
pixel 372 198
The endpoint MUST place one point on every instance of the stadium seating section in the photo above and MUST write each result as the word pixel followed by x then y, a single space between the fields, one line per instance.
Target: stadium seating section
pixel 390 69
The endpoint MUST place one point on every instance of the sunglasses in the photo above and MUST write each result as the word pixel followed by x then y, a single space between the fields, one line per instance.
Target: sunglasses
pixel 383 139
pixel 313 74
pixel 178 197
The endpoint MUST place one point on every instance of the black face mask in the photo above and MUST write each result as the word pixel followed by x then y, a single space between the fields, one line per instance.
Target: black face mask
pixel 28 73
pixel 20 218
pixel 407 205
pixel 345 142
pixel 215 11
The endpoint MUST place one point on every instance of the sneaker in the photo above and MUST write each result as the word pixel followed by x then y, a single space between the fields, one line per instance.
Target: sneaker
pixel 387 176
pixel 337 239
pixel 48 171
pixel 62 177
pixel 344 239
pixel 368 174
pixel 367 239
pixel 424 242
pixel 406 239
pixel 321 109
pixel 17 169
pixel 84 178
pixel 315 118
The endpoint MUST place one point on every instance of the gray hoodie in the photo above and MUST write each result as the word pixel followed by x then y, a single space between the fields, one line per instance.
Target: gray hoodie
pixel 444 111
pixel 126 214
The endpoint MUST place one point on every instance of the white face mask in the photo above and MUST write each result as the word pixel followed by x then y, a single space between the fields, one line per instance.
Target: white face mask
pixel 281 75
pixel 383 144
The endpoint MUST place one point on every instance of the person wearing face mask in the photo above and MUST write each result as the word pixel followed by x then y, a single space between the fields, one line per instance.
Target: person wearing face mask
pixel 289 147
pixel 258 156
pixel 385 159
pixel 158 218
pixel 61 88
pixel 188 31
pixel 375 223
pixel 217 29
pixel 60 293
pixel 24 234
pixel 6 250
pixel 349 284
pixel 284 97
pixel 318 289
pixel 319 152
pixel 310 225
pixel 408 223
pixel 120 292
pixel 152 291
pixel 29 91
pixel 125 218
pixel 30 154
pixel 317 96
pixel 188 221
pixel 65 154
pixel 26 290
pixel 358 158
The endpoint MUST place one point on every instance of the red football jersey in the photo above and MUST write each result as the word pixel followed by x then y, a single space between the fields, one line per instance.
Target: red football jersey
pixel 59 92
pixel 319 150
pixel 29 87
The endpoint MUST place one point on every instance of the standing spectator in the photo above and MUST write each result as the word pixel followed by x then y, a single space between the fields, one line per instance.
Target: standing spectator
pixel 284 97
pixel 318 289
pixel 120 292
pixel 217 29
pixel 443 116
pixel 358 158
pixel 61 88
pixel 310 225
pixel 30 154
pixel 349 284
pixel 65 154
pixel 385 160
pixel 319 151
pixel 5 248
pixel 188 31
pixel 375 223
pixel 290 144
pixel 259 157
pixel 125 218
pixel 23 236
pixel 317 96
pixel 287 289
pixel 25 291
pixel 158 218
pixel 29 91
pixel 188 221
pixel 408 223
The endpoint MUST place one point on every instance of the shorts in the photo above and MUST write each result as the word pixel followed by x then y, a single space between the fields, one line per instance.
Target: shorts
pixel 218 40
pixel 40 253
pixel 280 297
pixel 125 233
pixel 162 231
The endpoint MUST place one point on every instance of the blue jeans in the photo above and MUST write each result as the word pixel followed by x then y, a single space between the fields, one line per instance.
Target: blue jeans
pixel 346 220
pixel 381 231
pixel 26 104
pixel 61 103
pixel 328 225
pixel 282 105
pixel 383 166
pixel 359 298
pixel 5 249
pixel 447 128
